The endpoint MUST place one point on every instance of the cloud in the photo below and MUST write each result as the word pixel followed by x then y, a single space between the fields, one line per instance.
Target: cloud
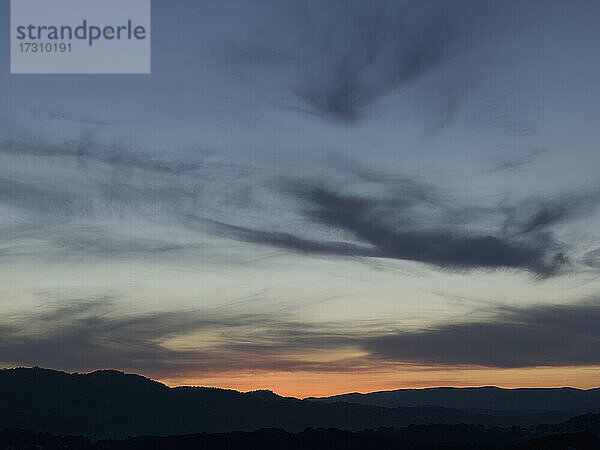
pixel 341 57
pixel 592 258
pixel 287 240
pixel 359 54
pixel 51 114
pixel 507 163
pixel 401 227
pixel 545 335
pixel 86 150
pixel 87 198
pixel 90 333
pixel 539 214
pixel 104 201
pixel 83 334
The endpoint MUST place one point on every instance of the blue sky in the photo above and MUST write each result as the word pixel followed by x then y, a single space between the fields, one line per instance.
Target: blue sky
pixel 305 191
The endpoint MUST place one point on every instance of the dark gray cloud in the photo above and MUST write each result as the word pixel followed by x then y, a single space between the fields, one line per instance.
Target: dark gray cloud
pixel 507 162
pixel 360 54
pixel 400 226
pixel 87 192
pixel 514 337
pixel 341 57
pixel 539 214
pixel 287 240
pixel 592 258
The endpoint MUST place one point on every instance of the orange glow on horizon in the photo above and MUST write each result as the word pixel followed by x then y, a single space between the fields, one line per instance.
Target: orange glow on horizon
pixel 309 384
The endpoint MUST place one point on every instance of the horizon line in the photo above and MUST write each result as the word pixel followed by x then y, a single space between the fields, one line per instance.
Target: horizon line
pixel 174 386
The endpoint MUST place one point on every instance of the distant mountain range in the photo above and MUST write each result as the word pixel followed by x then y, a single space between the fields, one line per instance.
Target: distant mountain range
pixel 489 397
pixel 111 404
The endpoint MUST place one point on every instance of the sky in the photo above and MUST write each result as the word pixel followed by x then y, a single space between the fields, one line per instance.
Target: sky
pixel 314 198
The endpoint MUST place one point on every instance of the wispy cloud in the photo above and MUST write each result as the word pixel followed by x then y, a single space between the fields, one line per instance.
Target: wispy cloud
pixel 92 333
pixel 592 258
pixel 538 214
pixel 546 335
pixel 87 198
pixel 105 201
pixel 409 223
pixel 361 54
pixel 516 162
pixel 343 56
pixel 84 334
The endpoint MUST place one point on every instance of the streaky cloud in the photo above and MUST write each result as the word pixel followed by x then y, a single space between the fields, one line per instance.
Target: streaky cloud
pixel 544 335
pixel 92 332
pixel 344 56
pixel 394 228
pixel 508 163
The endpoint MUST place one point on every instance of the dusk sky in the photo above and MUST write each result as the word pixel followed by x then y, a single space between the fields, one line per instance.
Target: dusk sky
pixel 313 197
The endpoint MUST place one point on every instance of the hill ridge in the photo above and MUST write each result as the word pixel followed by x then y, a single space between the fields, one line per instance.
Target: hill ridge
pixel 109 403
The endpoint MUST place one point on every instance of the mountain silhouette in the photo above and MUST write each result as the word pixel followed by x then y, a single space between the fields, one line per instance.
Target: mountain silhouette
pixel 109 404
pixel 489 397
